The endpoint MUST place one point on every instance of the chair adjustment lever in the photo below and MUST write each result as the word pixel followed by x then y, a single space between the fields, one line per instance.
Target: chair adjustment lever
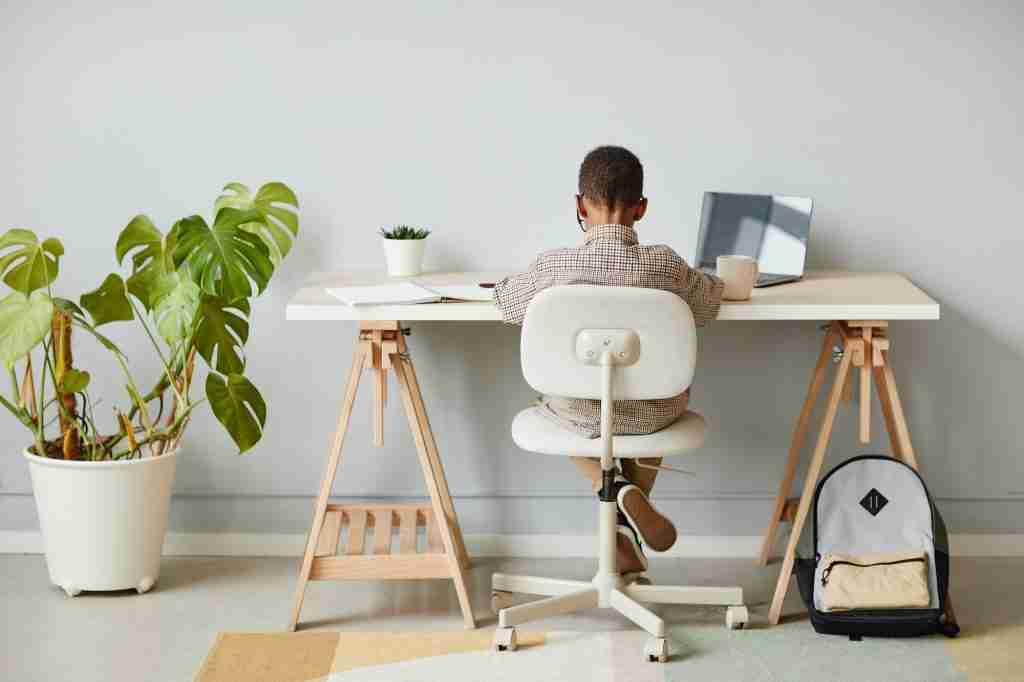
pixel 662 467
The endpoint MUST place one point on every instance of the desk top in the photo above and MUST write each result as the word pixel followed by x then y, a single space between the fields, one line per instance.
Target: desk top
pixel 821 295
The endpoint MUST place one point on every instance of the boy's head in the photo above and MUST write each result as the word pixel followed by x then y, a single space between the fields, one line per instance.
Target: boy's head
pixel 611 187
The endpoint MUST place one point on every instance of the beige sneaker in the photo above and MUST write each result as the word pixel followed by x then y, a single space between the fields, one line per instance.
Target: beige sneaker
pixel 629 556
pixel 655 529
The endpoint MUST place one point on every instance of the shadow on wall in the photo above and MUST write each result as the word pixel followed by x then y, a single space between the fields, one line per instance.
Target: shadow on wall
pixel 961 388
pixel 477 364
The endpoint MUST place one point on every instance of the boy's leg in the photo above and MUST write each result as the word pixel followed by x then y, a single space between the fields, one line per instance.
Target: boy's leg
pixel 591 468
pixel 630 558
pixel 641 477
pixel 655 529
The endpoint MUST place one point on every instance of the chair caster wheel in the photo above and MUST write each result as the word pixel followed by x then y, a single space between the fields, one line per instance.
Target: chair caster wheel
pixel 500 600
pixel 505 639
pixel 736 617
pixel 656 650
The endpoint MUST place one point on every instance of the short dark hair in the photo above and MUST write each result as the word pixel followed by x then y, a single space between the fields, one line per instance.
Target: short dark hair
pixel 612 176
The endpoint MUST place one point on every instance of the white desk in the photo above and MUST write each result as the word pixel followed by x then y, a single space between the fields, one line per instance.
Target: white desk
pixel 822 295
pixel 858 306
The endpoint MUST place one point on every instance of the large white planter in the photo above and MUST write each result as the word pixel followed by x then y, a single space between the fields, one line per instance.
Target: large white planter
pixel 103 523
pixel 404 256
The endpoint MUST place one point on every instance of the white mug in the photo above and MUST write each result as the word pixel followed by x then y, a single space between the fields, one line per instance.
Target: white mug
pixel 739 274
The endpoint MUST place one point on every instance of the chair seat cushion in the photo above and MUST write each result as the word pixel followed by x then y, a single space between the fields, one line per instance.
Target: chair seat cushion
pixel 534 432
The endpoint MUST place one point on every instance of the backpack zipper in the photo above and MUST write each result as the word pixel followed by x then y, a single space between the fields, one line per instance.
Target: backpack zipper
pixel 828 569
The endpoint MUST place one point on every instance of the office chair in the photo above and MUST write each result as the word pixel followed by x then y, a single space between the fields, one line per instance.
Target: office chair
pixel 621 343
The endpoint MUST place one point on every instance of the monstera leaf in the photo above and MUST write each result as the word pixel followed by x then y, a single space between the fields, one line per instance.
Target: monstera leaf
pixel 68 307
pixel 222 332
pixel 28 264
pixel 277 205
pixel 108 303
pixel 238 406
pixel 175 303
pixel 224 260
pixel 151 259
pixel 24 323
pixel 74 381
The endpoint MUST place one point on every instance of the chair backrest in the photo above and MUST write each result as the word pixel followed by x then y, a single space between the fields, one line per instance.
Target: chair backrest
pixel 656 327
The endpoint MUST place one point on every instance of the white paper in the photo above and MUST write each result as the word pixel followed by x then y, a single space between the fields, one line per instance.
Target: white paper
pixel 463 292
pixel 402 293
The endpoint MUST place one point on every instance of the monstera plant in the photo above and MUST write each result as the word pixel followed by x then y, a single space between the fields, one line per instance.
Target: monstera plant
pixel 189 290
pixel 103 494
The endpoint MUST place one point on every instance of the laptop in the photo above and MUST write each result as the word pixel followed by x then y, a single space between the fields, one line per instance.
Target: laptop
pixel 771 228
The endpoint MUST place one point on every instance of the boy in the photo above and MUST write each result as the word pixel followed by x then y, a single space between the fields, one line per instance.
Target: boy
pixel 609 203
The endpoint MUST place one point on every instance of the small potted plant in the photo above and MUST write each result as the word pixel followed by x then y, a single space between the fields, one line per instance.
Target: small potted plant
pixel 403 248
pixel 103 485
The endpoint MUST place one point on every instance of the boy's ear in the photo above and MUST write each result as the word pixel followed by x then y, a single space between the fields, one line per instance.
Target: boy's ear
pixel 641 209
pixel 580 206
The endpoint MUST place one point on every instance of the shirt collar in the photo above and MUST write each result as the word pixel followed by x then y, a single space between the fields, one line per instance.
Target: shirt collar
pixel 612 232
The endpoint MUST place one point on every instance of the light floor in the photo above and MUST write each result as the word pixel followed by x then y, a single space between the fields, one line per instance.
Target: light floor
pixel 165 635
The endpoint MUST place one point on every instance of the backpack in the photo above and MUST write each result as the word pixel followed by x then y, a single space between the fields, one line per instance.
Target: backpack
pixel 869 506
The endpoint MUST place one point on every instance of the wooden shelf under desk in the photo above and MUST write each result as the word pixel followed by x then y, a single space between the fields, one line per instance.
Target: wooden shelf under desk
pixel 405 544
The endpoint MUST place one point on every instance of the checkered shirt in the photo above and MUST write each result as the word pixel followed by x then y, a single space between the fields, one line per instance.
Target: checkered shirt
pixel 611 255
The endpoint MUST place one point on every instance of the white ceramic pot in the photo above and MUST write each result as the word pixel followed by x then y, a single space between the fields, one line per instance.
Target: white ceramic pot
pixel 404 256
pixel 103 523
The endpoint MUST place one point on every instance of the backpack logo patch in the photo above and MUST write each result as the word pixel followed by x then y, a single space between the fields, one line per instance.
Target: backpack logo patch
pixel 874 502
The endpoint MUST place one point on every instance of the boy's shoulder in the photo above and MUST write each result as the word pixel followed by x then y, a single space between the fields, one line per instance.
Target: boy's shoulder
pixel 665 254
pixel 663 249
pixel 556 257
pixel 657 249
pixel 553 256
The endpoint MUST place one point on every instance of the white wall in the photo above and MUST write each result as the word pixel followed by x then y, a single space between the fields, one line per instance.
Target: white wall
pixel 901 121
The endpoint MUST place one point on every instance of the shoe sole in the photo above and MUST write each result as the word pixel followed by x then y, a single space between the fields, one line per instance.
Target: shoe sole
pixel 655 530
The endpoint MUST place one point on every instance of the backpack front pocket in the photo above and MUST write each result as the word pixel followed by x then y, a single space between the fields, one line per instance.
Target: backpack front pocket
pixel 875 581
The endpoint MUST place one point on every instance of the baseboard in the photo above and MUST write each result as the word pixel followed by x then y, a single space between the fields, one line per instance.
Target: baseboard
pixel 492 545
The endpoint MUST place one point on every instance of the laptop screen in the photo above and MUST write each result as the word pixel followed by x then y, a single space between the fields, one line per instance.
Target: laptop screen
pixel 771 228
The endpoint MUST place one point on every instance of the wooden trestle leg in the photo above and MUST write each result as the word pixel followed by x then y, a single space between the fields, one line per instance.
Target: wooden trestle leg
pixel 442 553
pixel 865 345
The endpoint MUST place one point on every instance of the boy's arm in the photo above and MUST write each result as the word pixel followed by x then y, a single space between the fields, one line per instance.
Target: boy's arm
pixel 514 293
pixel 703 293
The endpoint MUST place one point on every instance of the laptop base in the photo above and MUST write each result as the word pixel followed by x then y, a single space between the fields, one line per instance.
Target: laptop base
pixel 774 280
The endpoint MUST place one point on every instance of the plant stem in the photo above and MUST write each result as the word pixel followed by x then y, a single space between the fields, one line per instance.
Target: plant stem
pixel 132 388
pixel 156 346
pixel 113 442
pixel 61 407
pixel 117 353
pixel 157 391
pixel 16 392
pixel 40 427
pixel 19 412
pixel 87 417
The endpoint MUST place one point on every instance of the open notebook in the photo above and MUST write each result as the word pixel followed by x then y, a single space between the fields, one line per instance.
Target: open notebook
pixel 405 293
